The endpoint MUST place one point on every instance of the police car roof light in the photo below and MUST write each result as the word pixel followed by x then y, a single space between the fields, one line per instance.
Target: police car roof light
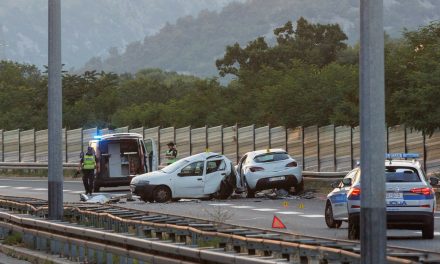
pixel 402 156
pixel 97 137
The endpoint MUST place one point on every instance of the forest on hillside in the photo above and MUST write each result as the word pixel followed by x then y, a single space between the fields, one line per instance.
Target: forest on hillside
pixel 309 76
pixel 193 43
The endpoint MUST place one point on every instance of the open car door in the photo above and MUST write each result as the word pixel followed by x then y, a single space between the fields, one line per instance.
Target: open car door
pixel 151 155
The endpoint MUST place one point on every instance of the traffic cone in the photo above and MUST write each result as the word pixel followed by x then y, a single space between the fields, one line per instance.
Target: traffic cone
pixel 276 223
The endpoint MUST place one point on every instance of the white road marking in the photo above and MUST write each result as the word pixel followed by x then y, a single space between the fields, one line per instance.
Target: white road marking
pixel 290 213
pixel 251 218
pixel 437 217
pixel 39 189
pixel 5 186
pixel 265 209
pixel 77 192
pixel 221 204
pixel 435 233
pixel 67 190
pixel 312 216
pixel 22 188
pixel 242 207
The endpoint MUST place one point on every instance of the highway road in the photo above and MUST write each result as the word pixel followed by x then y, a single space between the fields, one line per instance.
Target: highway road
pixel 302 216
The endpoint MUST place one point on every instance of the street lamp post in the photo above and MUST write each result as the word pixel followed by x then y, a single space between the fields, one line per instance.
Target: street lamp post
pixel 372 125
pixel 55 178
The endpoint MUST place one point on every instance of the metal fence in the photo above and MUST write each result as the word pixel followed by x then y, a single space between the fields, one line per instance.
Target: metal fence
pixel 327 148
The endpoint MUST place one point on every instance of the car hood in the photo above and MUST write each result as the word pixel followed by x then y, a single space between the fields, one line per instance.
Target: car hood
pixel 151 177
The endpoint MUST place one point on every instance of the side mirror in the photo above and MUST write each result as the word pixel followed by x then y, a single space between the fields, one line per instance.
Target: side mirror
pixel 433 181
pixel 346 182
pixel 335 184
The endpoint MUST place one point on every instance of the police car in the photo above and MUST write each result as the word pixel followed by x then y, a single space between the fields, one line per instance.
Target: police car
pixel 410 198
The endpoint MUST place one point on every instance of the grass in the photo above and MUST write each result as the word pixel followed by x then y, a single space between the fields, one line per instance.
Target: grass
pixel 13 238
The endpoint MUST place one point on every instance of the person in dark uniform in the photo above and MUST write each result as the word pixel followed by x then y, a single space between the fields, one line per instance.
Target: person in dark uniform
pixel 88 165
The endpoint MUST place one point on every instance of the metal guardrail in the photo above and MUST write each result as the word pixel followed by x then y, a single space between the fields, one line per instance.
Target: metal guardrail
pixel 72 166
pixel 183 238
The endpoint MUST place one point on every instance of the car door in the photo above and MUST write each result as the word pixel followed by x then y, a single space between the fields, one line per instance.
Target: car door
pixel 339 199
pixel 240 172
pixel 151 154
pixel 215 172
pixel 188 182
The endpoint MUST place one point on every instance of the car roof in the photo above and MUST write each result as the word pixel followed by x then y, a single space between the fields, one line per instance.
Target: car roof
pixel 120 136
pixel 204 156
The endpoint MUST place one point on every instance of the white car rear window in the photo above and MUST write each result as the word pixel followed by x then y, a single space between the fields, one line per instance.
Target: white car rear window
pixel 273 156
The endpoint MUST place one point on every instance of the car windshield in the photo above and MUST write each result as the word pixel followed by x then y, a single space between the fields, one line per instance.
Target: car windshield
pixel 272 156
pixel 174 166
pixel 401 174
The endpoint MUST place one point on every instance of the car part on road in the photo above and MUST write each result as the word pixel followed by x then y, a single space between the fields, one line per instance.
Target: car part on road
pixel 225 238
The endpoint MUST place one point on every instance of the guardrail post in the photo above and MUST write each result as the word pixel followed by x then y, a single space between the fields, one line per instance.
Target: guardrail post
pixel 109 257
pixel 82 253
pixel 100 256
pixel 91 255
pixel 66 250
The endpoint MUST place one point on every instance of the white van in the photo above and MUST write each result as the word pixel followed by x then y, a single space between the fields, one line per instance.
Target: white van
pixel 122 156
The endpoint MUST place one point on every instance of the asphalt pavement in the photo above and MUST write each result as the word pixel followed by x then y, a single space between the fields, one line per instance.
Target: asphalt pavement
pixel 300 215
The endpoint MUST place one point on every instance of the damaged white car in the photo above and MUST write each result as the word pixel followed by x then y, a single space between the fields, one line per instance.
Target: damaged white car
pixel 205 175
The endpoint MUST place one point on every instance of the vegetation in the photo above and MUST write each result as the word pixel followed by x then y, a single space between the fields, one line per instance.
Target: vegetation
pixel 309 76
pixel 191 43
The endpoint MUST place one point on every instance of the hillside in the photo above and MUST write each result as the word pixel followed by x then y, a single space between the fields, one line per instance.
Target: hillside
pixel 89 28
pixel 192 44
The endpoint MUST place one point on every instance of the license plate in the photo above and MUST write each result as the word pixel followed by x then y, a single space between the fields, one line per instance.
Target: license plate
pixel 394 195
pixel 277 179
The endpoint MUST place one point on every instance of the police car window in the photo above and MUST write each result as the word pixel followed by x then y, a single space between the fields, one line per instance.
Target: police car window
pixel 215 165
pixel 401 174
pixel 193 169
pixel 269 157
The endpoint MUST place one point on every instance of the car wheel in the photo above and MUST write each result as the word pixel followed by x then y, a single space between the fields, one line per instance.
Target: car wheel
pixel 428 230
pixel 299 188
pixel 224 192
pixel 249 192
pixel 353 229
pixel 329 220
pixel 96 188
pixel 162 194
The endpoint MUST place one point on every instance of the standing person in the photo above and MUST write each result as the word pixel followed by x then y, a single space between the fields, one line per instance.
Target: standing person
pixel 88 165
pixel 171 154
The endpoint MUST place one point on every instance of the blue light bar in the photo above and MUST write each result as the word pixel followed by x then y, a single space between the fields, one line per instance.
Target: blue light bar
pixel 402 156
pixel 97 137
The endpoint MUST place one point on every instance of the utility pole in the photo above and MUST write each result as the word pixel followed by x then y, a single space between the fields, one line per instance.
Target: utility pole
pixel 55 183
pixel 372 124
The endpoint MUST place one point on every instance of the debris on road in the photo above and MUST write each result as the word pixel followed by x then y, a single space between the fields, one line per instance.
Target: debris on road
pixel 103 198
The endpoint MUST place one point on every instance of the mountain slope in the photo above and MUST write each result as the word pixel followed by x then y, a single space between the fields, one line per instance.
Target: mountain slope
pixel 89 28
pixel 192 44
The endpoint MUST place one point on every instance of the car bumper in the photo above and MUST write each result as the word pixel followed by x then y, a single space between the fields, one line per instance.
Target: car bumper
pixel 403 220
pixel 267 183
pixel 143 190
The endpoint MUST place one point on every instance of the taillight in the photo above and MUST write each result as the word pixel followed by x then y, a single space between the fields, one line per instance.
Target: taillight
pixel 354 192
pixel 424 191
pixel 292 164
pixel 254 169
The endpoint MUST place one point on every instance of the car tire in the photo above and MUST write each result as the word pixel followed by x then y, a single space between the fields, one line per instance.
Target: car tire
pixel 353 229
pixel 428 230
pixel 96 188
pixel 329 220
pixel 224 192
pixel 299 188
pixel 162 194
pixel 249 192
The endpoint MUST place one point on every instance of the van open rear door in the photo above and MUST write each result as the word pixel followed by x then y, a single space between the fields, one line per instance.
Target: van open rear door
pixel 152 154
